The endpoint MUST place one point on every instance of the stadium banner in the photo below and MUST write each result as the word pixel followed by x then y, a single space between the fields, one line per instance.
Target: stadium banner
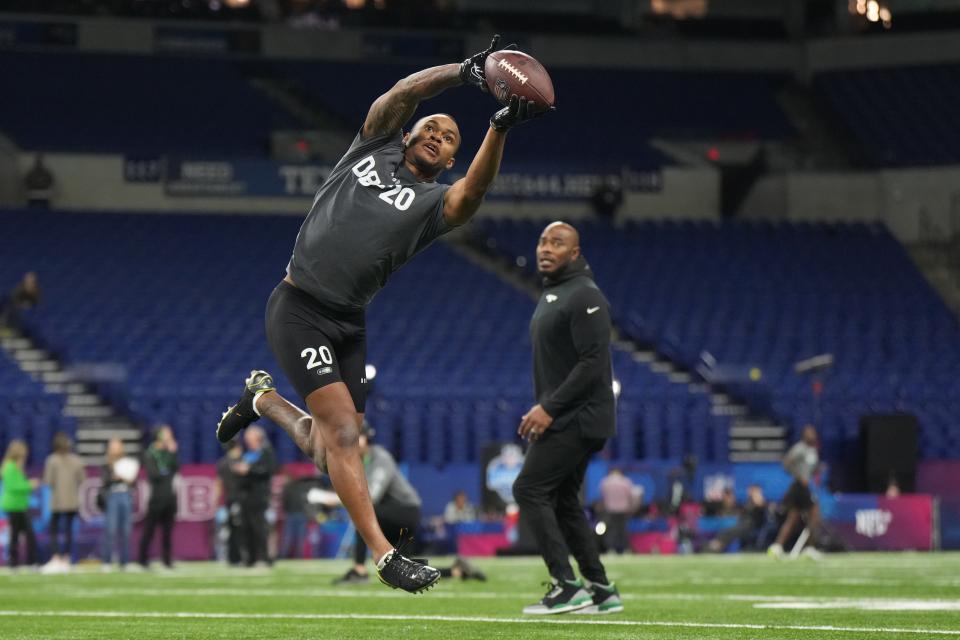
pixel 544 182
pixel 876 523
pixel 233 177
pixel 37 34
pixel 209 40
pixel 198 521
pixel 242 177
pixel 949 523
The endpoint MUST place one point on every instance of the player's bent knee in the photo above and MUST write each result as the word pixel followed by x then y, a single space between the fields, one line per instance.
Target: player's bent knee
pixel 340 434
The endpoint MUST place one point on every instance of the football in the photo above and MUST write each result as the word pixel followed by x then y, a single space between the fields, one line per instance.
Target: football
pixel 514 72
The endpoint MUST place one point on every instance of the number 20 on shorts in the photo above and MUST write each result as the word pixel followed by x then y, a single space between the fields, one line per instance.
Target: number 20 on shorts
pixel 324 354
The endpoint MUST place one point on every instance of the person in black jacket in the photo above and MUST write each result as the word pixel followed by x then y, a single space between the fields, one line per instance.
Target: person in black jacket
pixel 162 465
pixel 573 418
pixel 255 470
pixel 228 488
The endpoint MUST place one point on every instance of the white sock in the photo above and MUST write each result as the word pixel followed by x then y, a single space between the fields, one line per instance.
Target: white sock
pixel 256 397
pixel 382 562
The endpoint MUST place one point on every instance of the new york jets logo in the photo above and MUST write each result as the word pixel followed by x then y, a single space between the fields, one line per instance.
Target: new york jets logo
pixel 399 196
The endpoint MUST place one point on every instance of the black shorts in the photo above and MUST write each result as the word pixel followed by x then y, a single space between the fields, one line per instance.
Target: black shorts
pixel 315 346
pixel 798 497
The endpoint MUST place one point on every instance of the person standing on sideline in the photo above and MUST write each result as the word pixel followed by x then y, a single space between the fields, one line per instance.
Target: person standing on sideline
pixel 573 418
pixel 119 474
pixel 63 473
pixel 255 470
pixel 801 462
pixel 378 208
pixel 620 501
pixel 228 486
pixel 293 499
pixel 15 501
pixel 162 465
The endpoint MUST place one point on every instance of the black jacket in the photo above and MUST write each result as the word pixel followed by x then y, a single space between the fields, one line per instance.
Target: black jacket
pixel 570 335
pixel 255 485
pixel 161 466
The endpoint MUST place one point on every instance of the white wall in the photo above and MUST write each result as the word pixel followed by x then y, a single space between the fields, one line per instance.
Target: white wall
pixel 900 198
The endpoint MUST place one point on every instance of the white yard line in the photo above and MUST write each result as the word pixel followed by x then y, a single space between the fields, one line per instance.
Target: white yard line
pixel 478 619
pixel 768 600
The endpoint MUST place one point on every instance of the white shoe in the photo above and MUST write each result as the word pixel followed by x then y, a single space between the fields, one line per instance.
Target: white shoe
pixel 775 550
pixel 51 567
pixel 812 553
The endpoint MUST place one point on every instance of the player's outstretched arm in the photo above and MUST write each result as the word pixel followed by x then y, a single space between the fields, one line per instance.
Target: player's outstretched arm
pixel 391 110
pixel 466 195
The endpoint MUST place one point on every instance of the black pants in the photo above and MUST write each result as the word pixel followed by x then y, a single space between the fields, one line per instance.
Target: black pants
pixel 253 518
pixel 617 538
pixel 162 514
pixel 392 517
pixel 548 494
pixel 67 547
pixel 20 523
pixel 234 533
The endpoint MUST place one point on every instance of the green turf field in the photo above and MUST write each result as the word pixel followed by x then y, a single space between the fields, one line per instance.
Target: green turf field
pixel 738 596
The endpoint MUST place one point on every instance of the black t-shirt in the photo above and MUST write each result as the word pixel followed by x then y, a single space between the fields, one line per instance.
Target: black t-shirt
pixel 368 219
pixel 570 336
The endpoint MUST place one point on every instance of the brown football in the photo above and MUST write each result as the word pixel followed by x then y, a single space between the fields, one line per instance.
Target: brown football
pixel 514 72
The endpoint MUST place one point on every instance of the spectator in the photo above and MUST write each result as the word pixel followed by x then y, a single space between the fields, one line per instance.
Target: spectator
pixel 162 465
pixel 228 487
pixel 119 475
pixel 38 184
pixel 25 295
pixel 294 502
pixel 750 524
pixel 63 473
pixel 459 509
pixel 255 469
pixel 15 501
pixel 621 498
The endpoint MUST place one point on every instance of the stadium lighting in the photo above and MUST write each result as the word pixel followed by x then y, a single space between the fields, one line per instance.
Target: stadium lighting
pixel 873 11
pixel 886 17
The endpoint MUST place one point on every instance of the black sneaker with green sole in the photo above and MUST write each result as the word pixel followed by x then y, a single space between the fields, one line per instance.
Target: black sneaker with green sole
pixel 561 597
pixel 605 599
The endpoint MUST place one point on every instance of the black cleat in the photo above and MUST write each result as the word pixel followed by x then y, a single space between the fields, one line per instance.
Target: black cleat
pixel 400 572
pixel 242 415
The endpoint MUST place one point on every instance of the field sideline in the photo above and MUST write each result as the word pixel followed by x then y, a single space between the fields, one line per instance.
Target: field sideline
pixel 880 596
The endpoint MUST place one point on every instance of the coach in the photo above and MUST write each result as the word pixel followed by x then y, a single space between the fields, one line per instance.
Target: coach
pixel 575 414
